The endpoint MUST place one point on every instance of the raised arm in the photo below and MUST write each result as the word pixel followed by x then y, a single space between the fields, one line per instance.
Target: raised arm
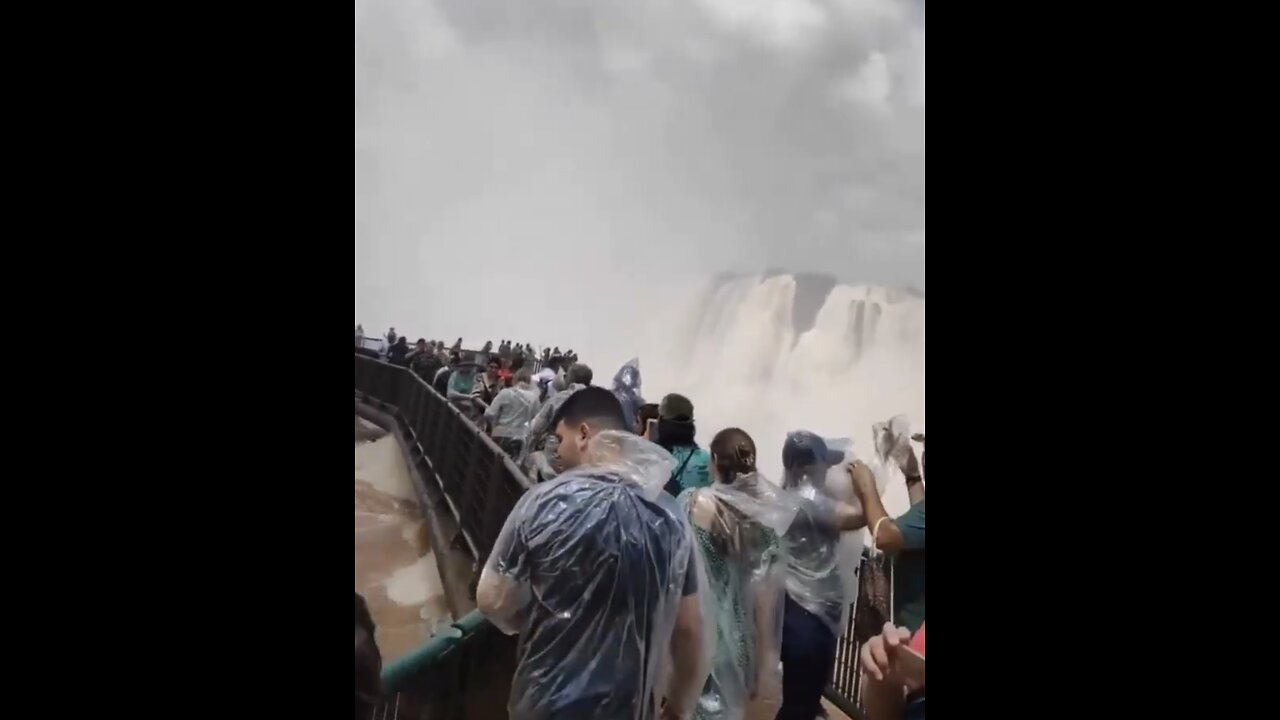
pixel 888 537
pixel 914 472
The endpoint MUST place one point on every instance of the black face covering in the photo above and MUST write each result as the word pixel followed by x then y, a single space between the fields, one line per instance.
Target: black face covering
pixel 673 433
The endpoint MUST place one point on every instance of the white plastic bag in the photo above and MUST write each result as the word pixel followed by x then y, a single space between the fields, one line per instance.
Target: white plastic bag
pixel 893 440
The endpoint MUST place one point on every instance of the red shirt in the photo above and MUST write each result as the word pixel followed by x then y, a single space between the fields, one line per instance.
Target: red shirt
pixel 917 641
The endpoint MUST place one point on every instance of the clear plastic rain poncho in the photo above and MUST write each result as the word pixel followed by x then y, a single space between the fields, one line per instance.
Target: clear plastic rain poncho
pixel 893 441
pixel 540 447
pixel 840 487
pixel 738 528
pixel 589 569
pixel 513 411
pixel 626 387
pixel 821 566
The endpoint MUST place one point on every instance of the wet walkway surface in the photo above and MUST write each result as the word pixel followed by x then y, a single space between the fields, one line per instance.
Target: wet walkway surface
pixel 395 569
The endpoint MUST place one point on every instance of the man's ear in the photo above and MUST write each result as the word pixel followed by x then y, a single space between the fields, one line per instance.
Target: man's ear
pixel 584 432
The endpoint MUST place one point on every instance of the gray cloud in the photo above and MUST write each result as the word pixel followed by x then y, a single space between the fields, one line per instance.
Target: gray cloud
pixel 509 141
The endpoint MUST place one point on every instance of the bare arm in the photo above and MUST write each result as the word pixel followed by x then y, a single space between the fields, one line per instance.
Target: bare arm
pixel 768 643
pixel 502 592
pixel 915 489
pixel 914 472
pixel 849 518
pixel 884 699
pixel 688 672
pixel 501 600
pixel 888 537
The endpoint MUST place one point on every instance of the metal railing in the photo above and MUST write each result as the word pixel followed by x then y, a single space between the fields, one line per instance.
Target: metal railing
pixel 481 485
pixel 844 689
pixel 479 482
pixel 463 673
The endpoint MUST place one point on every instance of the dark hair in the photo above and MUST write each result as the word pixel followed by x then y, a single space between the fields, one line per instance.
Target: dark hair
pixel 734 453
pixel 581 374
pixel 494 360
pixel 647 412
pixel 675 433
pixel 592 405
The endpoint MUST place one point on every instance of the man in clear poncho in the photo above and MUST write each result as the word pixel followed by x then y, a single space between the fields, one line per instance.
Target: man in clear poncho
pixel 595 570
pixel 818 593
pixel 511 413
pixel 540 448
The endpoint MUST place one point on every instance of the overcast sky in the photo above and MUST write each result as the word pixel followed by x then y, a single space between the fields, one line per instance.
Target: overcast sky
pixel 561 147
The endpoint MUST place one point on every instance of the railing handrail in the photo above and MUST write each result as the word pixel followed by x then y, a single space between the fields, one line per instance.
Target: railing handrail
pixel 425 413
pixel 484 436
pixel 397 675
pixel 418 408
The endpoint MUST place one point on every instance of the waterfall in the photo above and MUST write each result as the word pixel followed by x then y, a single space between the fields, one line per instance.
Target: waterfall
pixel 755 355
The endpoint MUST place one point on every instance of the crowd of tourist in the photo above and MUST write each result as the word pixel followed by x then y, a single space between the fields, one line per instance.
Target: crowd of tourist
pixel 649 576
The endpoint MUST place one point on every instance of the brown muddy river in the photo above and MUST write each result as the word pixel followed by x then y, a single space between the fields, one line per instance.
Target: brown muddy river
pixel 395 568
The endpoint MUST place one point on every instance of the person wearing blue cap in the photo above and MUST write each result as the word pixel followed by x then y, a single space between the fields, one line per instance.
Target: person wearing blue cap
pixel 816 596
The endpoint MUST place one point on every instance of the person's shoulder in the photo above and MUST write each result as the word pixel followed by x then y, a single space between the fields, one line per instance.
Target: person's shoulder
pixel 569 483
pixel 668 506
pixel 550 493
pixel 689 499
pixel 700 504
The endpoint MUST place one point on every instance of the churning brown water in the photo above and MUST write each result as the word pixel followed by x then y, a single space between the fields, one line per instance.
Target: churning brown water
pixel 395 568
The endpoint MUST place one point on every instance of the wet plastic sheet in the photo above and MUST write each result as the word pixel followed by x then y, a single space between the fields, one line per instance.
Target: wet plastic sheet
pixel 818 560
pixel 893 440
pixel 590 569
pixel 541 433
pixel 839 486
pixel 626 387
pixel 738 529
pixel 513 411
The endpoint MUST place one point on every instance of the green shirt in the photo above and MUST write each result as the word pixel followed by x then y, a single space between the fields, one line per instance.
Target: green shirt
pixel 694 467
pixel 908 570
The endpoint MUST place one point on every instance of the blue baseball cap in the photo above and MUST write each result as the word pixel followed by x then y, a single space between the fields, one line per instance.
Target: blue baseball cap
pixel 804 449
